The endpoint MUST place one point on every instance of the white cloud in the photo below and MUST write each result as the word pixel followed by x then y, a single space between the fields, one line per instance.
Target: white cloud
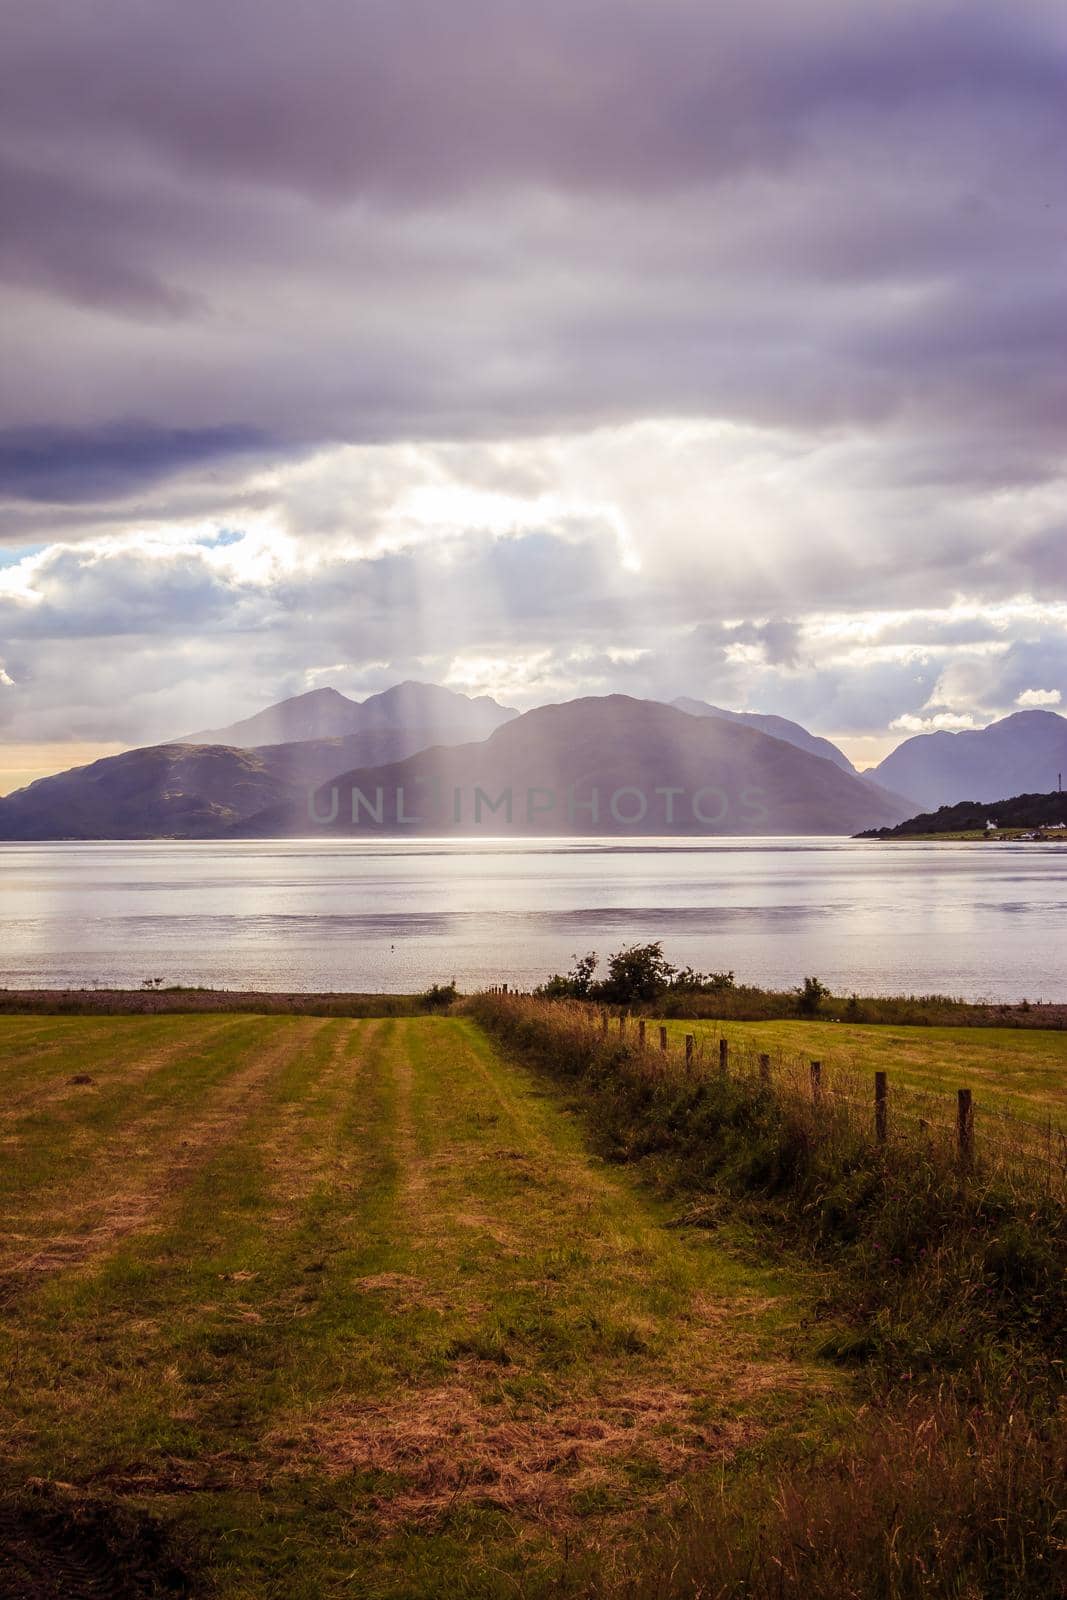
pixel 656 558
pixel 1038 697
pixel 943 721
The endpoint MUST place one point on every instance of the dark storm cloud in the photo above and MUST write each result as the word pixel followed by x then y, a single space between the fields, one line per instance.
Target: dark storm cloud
pixel 68 465
pixel 411 97
pixel 399 219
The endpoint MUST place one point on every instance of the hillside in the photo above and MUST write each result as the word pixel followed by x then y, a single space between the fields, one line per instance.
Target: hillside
pixel 778 728
pixel 971 816
pixel 306 763
pixel 176 790
pixel 668 772
pixel 1021 754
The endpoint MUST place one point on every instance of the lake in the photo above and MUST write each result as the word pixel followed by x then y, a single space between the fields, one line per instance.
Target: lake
pixel 975 920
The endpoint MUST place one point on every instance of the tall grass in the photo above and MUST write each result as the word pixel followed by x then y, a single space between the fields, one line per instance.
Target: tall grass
pixel 931 1502
pixel 944 1283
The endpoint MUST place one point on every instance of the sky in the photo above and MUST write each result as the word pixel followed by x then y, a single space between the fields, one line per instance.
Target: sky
pixel 649 346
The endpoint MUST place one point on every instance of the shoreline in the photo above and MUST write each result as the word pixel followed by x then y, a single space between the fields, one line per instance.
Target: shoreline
pixel 742 1004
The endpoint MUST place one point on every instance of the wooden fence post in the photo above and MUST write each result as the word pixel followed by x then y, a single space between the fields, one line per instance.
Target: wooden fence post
pixel 641 1034
pixel 724 1056
pixel 965 1125
pixel 622 1022
pixel 765 1069
pixel 603 1021
pixel 816 1082
pixel 663 1040
pixel 881 1107
pixel 504 990
pixel 688 1051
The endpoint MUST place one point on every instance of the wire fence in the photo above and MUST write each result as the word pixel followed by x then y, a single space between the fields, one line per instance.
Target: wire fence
pixel 838 1103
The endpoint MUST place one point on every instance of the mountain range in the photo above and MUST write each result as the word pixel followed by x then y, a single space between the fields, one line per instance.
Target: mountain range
pixel 601 765
pixel 763 773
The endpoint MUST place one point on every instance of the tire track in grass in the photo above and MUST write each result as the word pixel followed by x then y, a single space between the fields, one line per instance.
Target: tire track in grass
pixel 96 1224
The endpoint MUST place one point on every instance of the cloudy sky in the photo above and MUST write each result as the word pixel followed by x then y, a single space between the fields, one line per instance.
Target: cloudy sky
pixel 537 349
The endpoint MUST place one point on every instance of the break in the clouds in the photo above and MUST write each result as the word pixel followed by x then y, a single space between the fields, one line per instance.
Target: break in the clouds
pixel 541 349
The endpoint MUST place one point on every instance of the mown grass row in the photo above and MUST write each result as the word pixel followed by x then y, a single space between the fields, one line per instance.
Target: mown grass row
pixel 945 1285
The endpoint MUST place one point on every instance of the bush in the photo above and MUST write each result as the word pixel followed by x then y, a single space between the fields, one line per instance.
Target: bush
pixel 641 972
pixel 439 996
pixel 575 985
pixel 810 997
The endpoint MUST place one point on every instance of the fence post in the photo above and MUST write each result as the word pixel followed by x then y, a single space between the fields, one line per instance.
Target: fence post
pixel 504 990
pixel 965 1125
pixel 765 1069
pixel 641 1034
pixel 663 1040
pixel 603 1021
pixel 724 1056
pixel 881 1108
pixel 816 1082
pixel 688 1051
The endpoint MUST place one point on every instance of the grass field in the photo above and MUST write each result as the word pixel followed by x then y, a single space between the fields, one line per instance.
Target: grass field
pixel 350 1307
pixel 1021 1071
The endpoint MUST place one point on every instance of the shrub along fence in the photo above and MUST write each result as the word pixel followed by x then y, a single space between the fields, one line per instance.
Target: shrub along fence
pixel 947 1218
pixel 839 1105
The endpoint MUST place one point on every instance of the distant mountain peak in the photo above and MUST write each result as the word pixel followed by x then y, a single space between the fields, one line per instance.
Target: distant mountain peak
pixel 1034 716
pixel 1022 753
pixel 326 713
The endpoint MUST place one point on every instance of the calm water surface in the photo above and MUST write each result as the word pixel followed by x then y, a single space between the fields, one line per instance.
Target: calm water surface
pixel 983 921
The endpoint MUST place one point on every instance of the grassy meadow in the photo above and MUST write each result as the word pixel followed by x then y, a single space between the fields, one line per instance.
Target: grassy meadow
pixel 942 1270
pixel 1013 1069
pixel 310 1307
